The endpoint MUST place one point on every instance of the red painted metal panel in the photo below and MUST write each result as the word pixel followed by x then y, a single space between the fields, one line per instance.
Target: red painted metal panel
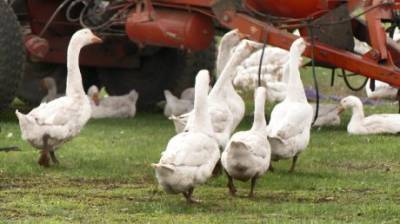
pixel 292 8
pixel 201 3
pixel 257 30
pixel 171 28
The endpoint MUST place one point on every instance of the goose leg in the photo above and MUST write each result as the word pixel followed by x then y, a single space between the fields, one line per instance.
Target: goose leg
pixel 188 196
pixel 44 159
pixel 293 163
pixel 217 169
pixel 271 168
pixel 53 157
pixel 253 184
pixel 231 186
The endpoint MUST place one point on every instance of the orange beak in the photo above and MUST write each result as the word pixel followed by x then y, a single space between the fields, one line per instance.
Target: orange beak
pixel 96 99
pixel 96 39
pixel 340 109
pixel 242 36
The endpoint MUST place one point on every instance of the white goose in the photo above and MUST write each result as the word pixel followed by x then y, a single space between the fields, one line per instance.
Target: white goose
pixel 248 153
pixel 113 106
pixel 225 106
pixel 289 128
pixel 49 83
pixel 190 156
pixel 188 94
pixel 274 74
pixel 51 124
pixel 226 49
pixel 328 115
pixel 175 106
pixel 374 124
pixel 272 69
pixel 382 90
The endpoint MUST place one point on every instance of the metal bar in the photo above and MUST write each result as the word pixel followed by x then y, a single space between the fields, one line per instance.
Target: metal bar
pixel 352 62
pixel 200 3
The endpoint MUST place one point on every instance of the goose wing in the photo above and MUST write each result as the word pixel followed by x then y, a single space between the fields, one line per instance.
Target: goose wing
pixel 383 123
pixel 56 112
pixel 297 118
pixel 189 149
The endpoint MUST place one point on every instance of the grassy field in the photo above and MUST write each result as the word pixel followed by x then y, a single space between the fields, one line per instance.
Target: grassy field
pixel 105 177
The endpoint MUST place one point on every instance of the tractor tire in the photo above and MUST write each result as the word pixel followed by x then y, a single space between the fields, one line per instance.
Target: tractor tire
pixel 12 54
pixel 168 68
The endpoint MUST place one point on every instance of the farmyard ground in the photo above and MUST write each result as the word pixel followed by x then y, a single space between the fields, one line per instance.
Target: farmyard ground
pixel 105 177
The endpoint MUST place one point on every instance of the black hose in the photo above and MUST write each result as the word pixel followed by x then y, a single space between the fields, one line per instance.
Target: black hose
pixel 398 98
pixel 261 60
pixel 310 29
pixel 53 16
pixel 346 81
pixel 333 77
pixel 70 7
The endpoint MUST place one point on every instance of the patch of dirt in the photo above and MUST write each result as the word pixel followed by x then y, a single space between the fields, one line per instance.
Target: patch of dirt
pixel 30 182
pixel 363 166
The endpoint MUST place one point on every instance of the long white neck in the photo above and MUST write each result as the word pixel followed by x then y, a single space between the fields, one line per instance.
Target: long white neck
pixel 259 123
pixel 295 88
pixel 74 77
pixel 357 113
pixel 170 98
pixel 224 81
pixel 202 119
pixel 52 91
pixel 286 73
pixel 225 48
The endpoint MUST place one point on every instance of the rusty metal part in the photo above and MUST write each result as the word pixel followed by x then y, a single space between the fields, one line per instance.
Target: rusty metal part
pixel 339 35
pixel 196 3
pixel 378 64
pixel 292 9
pixel 220 6
pixel 170 28
pixel 255 30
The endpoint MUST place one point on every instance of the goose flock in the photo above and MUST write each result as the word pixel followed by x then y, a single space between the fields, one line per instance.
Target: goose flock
pixel 205 118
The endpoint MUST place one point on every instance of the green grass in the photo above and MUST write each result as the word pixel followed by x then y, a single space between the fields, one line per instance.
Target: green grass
pixel 105 177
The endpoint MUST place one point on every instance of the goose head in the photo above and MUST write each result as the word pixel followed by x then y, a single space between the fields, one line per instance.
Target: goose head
pixel 85 37
pixel 93 93
pixel 248 46
pixel 133 95
pixel 170 102
pixel 349 102
pixel 231 39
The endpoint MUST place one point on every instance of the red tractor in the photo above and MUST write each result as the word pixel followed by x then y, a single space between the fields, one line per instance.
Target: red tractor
pixel 152 45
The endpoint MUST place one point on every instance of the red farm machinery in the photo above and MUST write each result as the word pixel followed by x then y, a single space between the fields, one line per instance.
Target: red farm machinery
pixel 151 45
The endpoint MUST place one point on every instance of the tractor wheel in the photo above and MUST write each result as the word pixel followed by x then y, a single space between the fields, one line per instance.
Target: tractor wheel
pixel 169 68
pixel 12 54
